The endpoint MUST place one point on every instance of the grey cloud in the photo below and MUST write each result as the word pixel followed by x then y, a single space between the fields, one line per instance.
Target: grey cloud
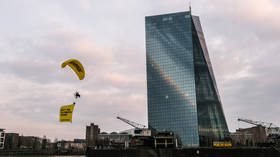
pixel 244 51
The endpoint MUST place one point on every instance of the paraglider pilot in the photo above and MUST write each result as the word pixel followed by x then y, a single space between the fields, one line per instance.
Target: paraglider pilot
pixel 77 95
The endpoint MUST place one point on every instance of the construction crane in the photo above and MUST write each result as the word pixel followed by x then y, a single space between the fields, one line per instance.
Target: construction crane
pixel 257 123
pixel 271 130
pixel 134 124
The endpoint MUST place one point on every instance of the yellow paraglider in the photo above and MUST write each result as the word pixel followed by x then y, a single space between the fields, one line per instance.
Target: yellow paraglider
pixel 67 110
pixel 76 66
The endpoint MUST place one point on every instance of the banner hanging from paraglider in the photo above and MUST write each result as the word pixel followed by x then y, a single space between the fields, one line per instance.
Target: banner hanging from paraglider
pixel 66 113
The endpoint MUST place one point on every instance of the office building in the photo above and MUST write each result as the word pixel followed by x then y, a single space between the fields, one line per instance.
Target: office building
pixel 92 132
pixel 182 91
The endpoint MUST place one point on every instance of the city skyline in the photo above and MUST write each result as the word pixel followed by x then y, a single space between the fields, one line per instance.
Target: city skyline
pixel 108 37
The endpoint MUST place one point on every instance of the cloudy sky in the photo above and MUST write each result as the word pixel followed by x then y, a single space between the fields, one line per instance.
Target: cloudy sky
pixel 108 37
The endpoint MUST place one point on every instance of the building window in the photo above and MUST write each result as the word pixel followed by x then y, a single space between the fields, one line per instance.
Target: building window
pixel 165 19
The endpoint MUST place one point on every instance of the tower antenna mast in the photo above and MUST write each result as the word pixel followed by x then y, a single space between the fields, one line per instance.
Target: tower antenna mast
pixel 190 6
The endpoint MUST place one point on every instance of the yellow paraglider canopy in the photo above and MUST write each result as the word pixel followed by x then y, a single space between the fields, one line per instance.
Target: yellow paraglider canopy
pixel 76 66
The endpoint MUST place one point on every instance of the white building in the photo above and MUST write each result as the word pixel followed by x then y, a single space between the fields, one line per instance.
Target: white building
pixel 138 132
pixel 2 138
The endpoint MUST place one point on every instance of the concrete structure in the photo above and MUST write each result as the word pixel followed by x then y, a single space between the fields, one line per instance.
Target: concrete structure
pixel 2 138
pixel 254 136
pixel 242 139
pixel 258 134
pixel 92 132
pixel 182 91
pixel 165 140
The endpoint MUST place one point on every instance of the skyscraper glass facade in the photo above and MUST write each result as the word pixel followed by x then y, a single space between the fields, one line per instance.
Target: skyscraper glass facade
pixel 182 92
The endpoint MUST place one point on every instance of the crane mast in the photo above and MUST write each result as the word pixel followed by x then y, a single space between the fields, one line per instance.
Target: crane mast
pixel 131 123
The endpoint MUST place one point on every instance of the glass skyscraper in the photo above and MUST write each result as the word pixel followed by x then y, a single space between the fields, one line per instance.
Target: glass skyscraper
pixel 182 92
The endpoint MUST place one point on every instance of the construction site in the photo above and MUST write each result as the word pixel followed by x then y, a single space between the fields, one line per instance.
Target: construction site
pixel 262 134
pixel 138 137
pixel 263 139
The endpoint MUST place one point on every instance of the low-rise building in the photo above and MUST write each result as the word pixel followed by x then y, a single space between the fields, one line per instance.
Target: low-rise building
pixel 47 145
pixel 114 139
pixel 11 141
pixel 242 139
pixel 253 136
pixel 70 146
pixel 79 141
pixel 78 146
pixel 2 138
pixel 30 142
pixel 258 132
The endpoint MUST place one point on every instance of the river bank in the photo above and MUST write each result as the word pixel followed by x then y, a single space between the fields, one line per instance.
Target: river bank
pixel 39 153
pixel 186 152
